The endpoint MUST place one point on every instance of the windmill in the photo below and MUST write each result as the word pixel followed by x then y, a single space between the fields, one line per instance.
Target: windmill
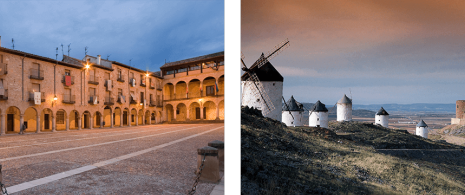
pixel 257 90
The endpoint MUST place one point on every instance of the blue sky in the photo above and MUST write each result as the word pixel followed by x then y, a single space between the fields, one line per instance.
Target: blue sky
pixel 381 51
pixel 148 32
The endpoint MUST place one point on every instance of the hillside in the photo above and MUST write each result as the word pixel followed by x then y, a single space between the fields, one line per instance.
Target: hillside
pixel 281 160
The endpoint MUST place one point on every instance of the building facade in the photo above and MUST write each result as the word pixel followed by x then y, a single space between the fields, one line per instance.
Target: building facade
pixel 459 113
pixel 43 94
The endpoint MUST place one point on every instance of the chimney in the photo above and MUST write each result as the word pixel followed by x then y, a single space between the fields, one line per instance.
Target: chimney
pixel 98 59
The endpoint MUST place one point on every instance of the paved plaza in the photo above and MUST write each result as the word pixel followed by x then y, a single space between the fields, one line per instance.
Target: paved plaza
pixel 150 159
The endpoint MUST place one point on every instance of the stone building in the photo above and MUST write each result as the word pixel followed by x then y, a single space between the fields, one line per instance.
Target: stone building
pixel 43 94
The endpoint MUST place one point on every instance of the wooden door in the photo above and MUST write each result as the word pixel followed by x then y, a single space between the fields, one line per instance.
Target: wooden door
pixel 204 112
pixel 197 113
pixel 76 120
pixel 46 121
pixel 10 122
pixel 86 121
pixel 125 118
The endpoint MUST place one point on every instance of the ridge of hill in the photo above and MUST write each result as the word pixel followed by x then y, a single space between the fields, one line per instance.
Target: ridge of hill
pixel 347 157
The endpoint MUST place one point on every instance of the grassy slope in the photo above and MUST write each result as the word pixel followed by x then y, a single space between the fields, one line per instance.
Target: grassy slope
pixel 281 160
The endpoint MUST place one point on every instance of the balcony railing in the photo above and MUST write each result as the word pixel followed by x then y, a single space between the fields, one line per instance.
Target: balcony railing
pixel 36 74
pixel 68 99
pixel 153 103
pixel 132 82
pixel 120 79
pixel 109 101
pixel 142 84
pixel 93 80
pixel 31 96
pixel 132 101
pixel 63 80
pixel 5 95
pixel 5 66
pixel 152 86
pixel 92 98
pixel 159 88
pixel 119 99
pixel 189 96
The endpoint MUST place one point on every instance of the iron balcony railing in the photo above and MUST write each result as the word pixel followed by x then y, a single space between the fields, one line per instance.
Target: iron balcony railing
pixel 92 98
pixel 142 83
pixel 63 80
pixel 5 95
pixel 109 101
pixel 132 101
pixel 159 88
pixel 120 79
pixel 36 74
pixel 31 96
pixel 68 99
pixel 153 103
pixel 93 80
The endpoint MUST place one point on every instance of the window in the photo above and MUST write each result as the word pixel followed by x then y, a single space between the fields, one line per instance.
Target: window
pixel 141 97
pixel 107 76
pixel 67 73
pixel 210 90
pixel 132 75
pixel 1 58
pixel 169 72
pixel 35 87
pixel 120 92
pixel 119 74
pixel 182 70
pixel 196 67
pixel 60 117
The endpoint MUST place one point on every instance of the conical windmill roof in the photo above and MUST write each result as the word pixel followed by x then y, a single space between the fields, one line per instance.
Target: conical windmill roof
pixel 265 73
pixel 382 112
pixel 319 107
pixel 292 105
pixel 345 100
pixel 422 124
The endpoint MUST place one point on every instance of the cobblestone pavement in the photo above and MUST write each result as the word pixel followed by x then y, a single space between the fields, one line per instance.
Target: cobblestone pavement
pixel 151 159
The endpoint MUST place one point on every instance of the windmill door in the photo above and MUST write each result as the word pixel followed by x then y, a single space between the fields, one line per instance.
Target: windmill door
pixel 46 121
pixel 10 122
pixel 197 113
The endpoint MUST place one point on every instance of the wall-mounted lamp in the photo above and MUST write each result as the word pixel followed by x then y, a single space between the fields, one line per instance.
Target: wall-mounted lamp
pixel 87 66
pixel 55 98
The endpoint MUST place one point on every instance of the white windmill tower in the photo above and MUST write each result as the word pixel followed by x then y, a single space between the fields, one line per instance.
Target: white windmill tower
pixel 262 85
pixel 318 115
pixel 382 118
pixel 422 129
pixel 344 109
pixel 292 113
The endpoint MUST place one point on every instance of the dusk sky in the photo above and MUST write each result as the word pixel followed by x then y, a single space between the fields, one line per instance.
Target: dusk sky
pixel 384 51
pixel 148 32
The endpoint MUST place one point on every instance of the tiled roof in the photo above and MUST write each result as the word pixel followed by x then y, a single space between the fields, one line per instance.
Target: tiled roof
pixel 319 107
pixel 29 55
pixel 422 124
pixel 190 60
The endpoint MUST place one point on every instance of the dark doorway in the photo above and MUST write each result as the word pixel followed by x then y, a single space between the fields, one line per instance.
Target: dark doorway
pixel 114 121
pixel 11 122
pixel 204 112
pixel 197 113
pixel 76 119
pixel 98 119
pixel 125 118
pixel 46 121
pixel 86 121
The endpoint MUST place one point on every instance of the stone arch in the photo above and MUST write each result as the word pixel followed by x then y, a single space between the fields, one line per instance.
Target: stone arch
pixel 221 110
pixel 147 118
pixel 209 110
pixel 30 118
pixel 153 117
pixel 61 123
pixel 168 91
pixel 169 112
pixel 73 119
pixel 194 111
pixel 87 120
pixel 181 112
pixel 181 90
pixel 12 119
pixel 46 119
pixel 133 116
pixel 107 114
pixel 194 88
pixel 220 85
pixel 208 82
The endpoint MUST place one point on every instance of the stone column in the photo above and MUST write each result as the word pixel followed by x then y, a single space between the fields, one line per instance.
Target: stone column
pixel 38 124
pixel 91 122
pixel 150 119
pixel 174 113
pixel 2 127
pixel 136 117
pixel 129 119
pixel 79 123
pixel 54 122
pixel 188 116
pixel 67 123
pixel 201 113
pixel 21 122
pixel 101 121
pixel 111 117
pixel 217 112
pixel 121 120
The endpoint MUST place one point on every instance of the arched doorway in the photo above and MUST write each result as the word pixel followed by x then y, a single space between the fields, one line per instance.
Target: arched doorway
pixel 73 119
pixel 30 120
pixel 46 120
pixel 169 112
pixel 153 117
pixel 87 120
pixel 107 114
pixel 12 119
pixel 209 110
pixel 194 111
pixel 97 120
pixel 126 116
pixel 181 112
pixel 61 120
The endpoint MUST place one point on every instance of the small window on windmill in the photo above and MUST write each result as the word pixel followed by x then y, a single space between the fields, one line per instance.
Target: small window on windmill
pixel 292 122
pixel 273 84
pixel 317 119
pixel 258 99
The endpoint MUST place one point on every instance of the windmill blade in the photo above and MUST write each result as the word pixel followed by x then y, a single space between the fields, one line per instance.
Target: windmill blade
pixel 332 108
pixel 288 108
pixel 271 54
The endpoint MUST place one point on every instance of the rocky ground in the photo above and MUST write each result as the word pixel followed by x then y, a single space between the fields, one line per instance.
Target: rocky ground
pixel 347 158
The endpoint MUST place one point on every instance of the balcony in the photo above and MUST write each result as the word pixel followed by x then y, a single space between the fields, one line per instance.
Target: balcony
pixel 106 83
pixel 159 88
pixel 109 101
pixel 92 99
pixel 132 82
pixel 5 95
pixel 142 83
pixel 93 80
pixel 31 96
pixel 63 80
pixel 152 85
pixel 36 74
pixel 5 67
pixel 159 103
pixel 119 99
pixel 132 101
pixel 153 103
pixel 68 99
pixel 120 79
